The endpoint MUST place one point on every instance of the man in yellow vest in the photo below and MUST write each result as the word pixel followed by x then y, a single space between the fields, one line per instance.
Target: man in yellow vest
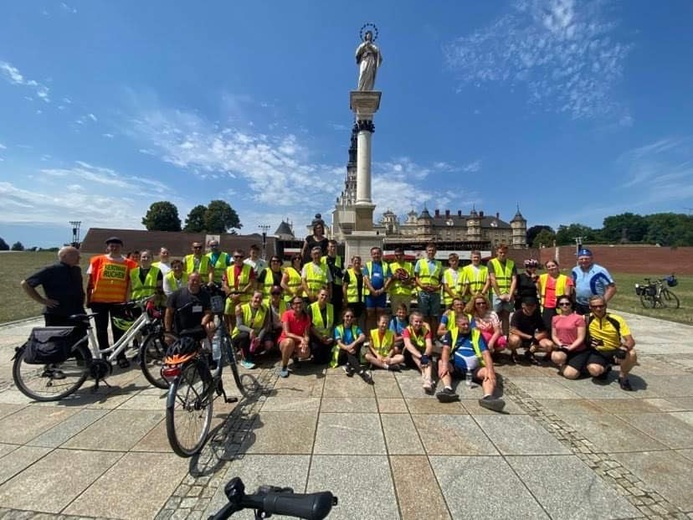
pixel 146 280
pixel 315 276
pixel 253 322
pixel 354 290
pixel 503 276
pixel 401 287
pixel 197 262
pixel 464 350
pixel 475 276
pixel 429 274
pixel 238 284
pixel 218 260
pixel 335 263
pixel 322 327
pixel 452 281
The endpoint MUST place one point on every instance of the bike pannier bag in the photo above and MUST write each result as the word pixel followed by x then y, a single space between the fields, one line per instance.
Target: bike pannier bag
pixel 48 345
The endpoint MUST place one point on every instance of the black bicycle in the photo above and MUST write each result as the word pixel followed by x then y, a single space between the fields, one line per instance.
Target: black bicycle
pixel 195 382
pixel 270 500
pixel 657 293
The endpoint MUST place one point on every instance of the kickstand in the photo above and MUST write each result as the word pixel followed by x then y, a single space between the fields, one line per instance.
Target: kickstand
pixel 221 391
pixel 97 381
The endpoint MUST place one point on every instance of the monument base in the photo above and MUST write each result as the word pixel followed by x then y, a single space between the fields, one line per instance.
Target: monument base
pixel 363 217
pixel 359 243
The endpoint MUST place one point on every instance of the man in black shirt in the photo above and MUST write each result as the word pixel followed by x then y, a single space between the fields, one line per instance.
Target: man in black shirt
pixel 189 308
pixel 527 330
pixel 62 285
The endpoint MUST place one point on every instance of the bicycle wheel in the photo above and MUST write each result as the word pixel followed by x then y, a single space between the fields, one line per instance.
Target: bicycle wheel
pixel 189 410
pixel 671 299
pixel 233 363
pixel 647 301
pixel 151 356
pixel 52 382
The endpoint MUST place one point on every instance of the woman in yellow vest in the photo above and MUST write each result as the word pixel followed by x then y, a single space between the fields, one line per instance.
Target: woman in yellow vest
pixel 175 278
pixel 252 324
pixel 322 327
pixel 381 350
pixel 291 279
pixel 354 290
pixel 551 286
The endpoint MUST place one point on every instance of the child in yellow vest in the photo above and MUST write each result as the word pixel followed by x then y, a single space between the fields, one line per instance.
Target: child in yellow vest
pixel 381 350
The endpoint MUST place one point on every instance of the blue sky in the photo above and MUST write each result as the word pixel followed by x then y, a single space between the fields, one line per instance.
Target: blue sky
pixel 574 109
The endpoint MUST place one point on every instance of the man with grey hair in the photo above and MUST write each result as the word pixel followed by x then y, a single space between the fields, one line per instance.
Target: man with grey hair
pixel 62 286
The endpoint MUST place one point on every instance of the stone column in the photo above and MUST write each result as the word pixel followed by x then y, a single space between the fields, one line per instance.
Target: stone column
pixel 364 104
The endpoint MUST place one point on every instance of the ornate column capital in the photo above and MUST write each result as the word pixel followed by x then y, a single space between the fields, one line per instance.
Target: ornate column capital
pixel 365 125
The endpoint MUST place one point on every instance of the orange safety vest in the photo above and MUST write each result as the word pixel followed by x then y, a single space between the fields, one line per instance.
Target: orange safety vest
pixel 109 280
pixel 559 289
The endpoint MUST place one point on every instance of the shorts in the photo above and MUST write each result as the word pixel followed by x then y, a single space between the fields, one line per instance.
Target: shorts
pixel 460 373
pixel 577 360
pixel 500 306
pixel 596 357
pixel 429 303
pixel 376 302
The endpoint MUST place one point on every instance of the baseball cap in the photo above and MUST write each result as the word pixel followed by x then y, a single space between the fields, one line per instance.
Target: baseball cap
pixel 584 252
pixel 114 240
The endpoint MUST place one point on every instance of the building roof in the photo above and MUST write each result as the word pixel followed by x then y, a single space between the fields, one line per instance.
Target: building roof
pixel 425 214
pixel 284 229
pixel 178 243
pixel 455 220
pixel 518 216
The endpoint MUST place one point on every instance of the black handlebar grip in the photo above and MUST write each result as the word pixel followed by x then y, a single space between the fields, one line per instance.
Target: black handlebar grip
pixel 311 506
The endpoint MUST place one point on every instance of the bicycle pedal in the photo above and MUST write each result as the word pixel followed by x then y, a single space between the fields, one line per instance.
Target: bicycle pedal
pixel 231 399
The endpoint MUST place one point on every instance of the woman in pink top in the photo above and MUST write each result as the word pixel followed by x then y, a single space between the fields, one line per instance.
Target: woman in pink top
pixel 487 322
pixel 568 332
pixel 293 341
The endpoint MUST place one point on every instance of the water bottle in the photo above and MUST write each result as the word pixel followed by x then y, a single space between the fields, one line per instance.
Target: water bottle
pixel 216 347
pixel 468 379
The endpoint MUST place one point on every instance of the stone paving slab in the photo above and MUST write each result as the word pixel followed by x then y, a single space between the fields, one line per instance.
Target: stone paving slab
pixel 380 448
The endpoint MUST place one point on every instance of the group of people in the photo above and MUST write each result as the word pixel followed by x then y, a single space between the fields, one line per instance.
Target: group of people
pixel 356 315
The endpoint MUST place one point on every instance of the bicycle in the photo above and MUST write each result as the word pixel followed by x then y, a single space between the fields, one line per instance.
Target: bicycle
pixel 195 382
pixel 55 381
pixel 271 500
pixel 657 293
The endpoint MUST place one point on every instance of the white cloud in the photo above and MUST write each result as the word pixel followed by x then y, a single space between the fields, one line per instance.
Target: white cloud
pixel 564 52
pixel 108 136
pixel 68 8
pixel 92 117
pixel 659 172
pixel 14 76
pixel 3 147
pixel 472 167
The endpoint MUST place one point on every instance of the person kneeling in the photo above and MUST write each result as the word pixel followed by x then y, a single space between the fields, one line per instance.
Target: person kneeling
pixel 527 330
pixel 464 350
pixel 568 332
pixel 381 350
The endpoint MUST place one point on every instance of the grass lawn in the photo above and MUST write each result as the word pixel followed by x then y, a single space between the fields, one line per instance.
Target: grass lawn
pixel 14 267
pixel 627 300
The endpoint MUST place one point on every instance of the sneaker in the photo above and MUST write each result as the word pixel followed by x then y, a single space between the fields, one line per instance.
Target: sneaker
pixel 604 375
pixel 447 395
pixel 284 372
pixel 428 386
pixel 625 384
pixel 348 370
pixel 248 364
pixel 492 403
pixel 366 376
pixel 395 368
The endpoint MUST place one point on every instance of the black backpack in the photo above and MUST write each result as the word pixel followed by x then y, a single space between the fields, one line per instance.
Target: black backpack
pixel 50 345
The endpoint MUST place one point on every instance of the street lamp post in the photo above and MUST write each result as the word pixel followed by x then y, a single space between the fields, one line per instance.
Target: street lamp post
pixel 75 232
pixel 264 228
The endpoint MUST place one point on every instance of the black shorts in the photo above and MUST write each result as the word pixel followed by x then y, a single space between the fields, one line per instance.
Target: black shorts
pixel 460 373
pixel 604 359
pixel 577 360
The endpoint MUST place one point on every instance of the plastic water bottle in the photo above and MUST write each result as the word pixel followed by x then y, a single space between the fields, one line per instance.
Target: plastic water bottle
pixel 216 347
pixel 468 379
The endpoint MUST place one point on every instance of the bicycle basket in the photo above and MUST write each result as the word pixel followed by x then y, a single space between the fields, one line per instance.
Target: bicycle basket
pixel 48 345
pixel 639 289
pixel 672 281
pixel 217 304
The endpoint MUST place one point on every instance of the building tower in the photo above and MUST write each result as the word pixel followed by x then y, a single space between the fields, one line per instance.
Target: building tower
pixel 425 222
pixel 519 230
pixel 343 214
pixel 473 226
pixel 390 222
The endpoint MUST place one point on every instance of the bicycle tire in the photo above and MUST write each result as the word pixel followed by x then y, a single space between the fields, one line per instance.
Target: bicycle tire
pixel 647 301
pixel 233 365
pixel 151 356
pixel 189 410
pixel 671 299
pixel 41 382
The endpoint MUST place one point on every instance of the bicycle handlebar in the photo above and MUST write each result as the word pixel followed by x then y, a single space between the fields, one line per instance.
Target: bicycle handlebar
pixel 276 501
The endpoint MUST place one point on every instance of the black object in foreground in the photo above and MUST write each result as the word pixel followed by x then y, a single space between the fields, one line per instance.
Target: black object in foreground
pixel 270 500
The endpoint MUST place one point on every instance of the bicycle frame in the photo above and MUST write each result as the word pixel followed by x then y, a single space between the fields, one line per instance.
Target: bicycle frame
pixel 119 346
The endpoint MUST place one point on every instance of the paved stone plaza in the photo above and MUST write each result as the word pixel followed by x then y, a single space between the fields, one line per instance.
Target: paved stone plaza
pixel 564 449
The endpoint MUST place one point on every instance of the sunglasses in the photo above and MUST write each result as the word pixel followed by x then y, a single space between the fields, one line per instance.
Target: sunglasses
pixel 479 303
pixel 564 304
pixel 237 256
pixel 197 247
pixel 597 306
pixel 348 316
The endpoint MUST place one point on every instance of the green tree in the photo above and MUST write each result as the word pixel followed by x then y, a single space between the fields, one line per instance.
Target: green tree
pixel 3 245
pixel 566 235
pixel 535 230
pixel 17 246
pixel 626 227
pixel 195 222
pixel 162 216
pixel 220 217
pixel 545 238
pixel 669 229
